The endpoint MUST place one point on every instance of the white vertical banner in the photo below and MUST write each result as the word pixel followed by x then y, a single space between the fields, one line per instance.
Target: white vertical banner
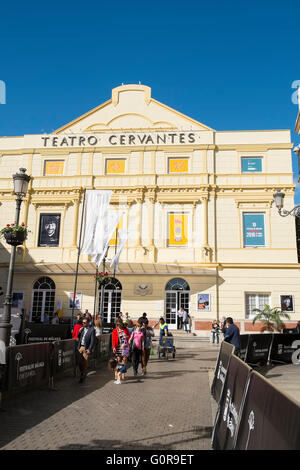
pixel 122 238
pixel 108 224
pixel 96 209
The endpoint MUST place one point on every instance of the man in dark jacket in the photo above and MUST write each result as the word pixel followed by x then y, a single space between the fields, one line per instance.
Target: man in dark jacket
pixel 86 342
pixel 232 335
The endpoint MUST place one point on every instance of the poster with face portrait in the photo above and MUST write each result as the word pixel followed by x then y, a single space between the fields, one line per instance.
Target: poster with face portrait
pixel 287 303
pixel 203 302
pixel 49 230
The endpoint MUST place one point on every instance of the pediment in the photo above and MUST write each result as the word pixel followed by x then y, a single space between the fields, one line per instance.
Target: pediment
pixel 131 108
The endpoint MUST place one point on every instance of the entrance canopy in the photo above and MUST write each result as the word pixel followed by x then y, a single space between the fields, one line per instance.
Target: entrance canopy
pixel 124 268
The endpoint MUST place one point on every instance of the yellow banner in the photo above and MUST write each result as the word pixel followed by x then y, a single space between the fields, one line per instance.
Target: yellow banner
pixel 115 166
pixel 53 167
pixel 113 240
pixel 178 228
pixel 178 165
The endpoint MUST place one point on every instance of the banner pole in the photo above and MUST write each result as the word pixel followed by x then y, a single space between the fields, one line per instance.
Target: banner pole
pixel 78 255
pixel 95 293
pixel 102 288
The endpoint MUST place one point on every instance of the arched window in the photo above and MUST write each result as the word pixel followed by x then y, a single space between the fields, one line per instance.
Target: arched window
pixel 43 299
pixel 111 289
pixel 177 284
pixel 44 283
pixel 177 295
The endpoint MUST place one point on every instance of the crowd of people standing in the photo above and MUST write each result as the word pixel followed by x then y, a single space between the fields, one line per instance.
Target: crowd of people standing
pixel 133 341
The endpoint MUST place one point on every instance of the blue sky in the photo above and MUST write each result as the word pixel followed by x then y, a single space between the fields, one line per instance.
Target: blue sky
pixel 228 64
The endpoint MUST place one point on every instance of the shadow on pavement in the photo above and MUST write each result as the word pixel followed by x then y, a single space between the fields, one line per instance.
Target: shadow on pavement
pixel 204 432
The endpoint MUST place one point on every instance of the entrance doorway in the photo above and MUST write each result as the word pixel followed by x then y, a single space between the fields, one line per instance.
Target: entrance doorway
pixel 177 295
pixel 112 296
pixel 43 299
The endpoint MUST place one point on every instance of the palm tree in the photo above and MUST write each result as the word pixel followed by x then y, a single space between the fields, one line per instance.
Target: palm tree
pixel 271 318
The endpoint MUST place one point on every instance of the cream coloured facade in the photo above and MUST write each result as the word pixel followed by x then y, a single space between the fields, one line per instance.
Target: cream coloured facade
pixel 198 204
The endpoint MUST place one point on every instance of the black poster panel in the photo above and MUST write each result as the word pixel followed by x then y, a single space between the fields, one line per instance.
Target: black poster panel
pixel 64 356
pixel 286 349
pixel 270 420
pixel 225 353
pixel 49 230
pixel 28 366
pixel 244 339
pixel 227 419
pixel 258 348
pixel 39 333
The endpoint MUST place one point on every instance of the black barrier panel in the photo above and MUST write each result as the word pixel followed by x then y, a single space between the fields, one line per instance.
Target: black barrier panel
pixel 225 353
pixel 39 333
pixel 63 356
pixel 105 345
pixel 286 349
pixel 28 366
pixel 230 406
pixel 244 339
pixel 258 348
pixel 270 420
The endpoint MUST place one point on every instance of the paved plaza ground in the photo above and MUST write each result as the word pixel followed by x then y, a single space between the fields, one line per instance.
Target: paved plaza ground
pixel 169 409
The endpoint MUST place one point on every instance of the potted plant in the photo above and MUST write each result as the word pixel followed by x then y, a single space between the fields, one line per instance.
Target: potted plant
pixel 14 234
pixel 271 318
pixel 101 277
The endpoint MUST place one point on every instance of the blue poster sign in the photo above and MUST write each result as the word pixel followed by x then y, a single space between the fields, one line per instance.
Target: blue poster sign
pixel 254 229
pixel 251 164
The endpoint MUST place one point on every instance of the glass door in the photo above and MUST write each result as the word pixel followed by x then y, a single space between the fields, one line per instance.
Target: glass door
pixel 171 310
pixel 174 301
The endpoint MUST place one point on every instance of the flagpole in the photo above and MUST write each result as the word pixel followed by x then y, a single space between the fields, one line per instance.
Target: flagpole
pixel 102 288
pixel 78 255
pixel 95 293
pixel 113 296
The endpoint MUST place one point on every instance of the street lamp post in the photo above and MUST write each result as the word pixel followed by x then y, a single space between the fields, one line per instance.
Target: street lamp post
pixel 21 181
pixel 278 199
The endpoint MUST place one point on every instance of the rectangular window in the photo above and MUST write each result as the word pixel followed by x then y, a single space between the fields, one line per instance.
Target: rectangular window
pixel 54 167
pixel 256 300
pixel 251 164
pixel 177 229
pixel 49 230
pixel 178 165
pixel 115 167
pixel 254 229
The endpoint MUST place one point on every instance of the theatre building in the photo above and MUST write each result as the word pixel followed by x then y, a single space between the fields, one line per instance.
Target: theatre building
pixel 198 203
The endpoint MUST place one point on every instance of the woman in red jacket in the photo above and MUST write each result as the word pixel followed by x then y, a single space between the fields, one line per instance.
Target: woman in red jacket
pixel 77 328
pixel 120 341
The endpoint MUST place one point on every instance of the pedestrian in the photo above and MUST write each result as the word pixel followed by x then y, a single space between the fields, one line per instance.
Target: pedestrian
pixel 137 340
pixel 120 340
pixel 55 319
pixel 180 318
pixel 223 325
pixel 232 335
pixel 163 331
pixel 186 321
pixel 46 318
pixel 86 342
pixel 298 327
pixel 148 335
pixel 215 331
pixel 98 329
pixel 77 319
pixel 77 328
pixel 119 369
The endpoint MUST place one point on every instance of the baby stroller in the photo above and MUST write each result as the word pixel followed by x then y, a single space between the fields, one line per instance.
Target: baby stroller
pixel 166 346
